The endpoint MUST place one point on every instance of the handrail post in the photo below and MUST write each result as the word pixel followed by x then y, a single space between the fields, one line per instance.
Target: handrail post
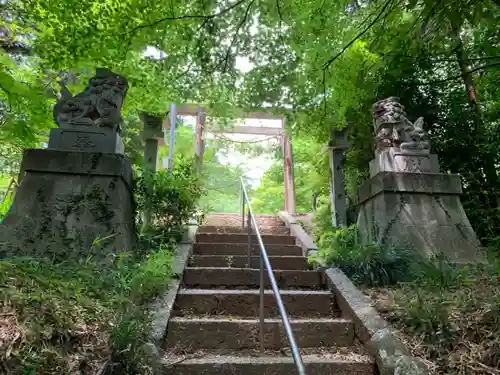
pixel 249 254
pixel 242 206
pixel 261 307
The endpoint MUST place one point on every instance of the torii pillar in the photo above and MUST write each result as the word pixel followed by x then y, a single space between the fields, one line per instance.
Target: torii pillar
pixel 199 144
pixel 288 176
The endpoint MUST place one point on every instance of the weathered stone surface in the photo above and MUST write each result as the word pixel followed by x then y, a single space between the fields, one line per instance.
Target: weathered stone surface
pixel 98 105
pixel 421 211
pixel 246 277
pixel 266 223
pixel 77 163
pixel 151 154
pixel 245 303
pixel 397 160
pixel 71 205
pixel 161 309
pixel 394 130
pixel 243 334
pixel 152 131
pixel 337 146
pixel 301 237
pixel 86 139
pixel 239 229
pixel 354 304
pixel 240 261
pixel 425 183
pixel 268 239
pixel 392 356
pixel 242 249
pixel 235 365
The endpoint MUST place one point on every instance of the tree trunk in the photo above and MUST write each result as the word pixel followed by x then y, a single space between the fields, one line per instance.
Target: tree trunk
pixel 488 159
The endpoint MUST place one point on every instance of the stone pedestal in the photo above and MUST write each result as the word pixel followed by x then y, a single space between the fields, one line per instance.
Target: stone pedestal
pixel 71 205
pixel 417 210
pixel 397 160
pixel 86 139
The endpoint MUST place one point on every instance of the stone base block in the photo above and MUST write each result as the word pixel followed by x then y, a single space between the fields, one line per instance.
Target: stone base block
pixel 71 205
pixel 86 139
pixel 396 160
pixel 421 211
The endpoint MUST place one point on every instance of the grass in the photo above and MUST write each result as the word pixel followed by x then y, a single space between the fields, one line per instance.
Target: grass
pixel 450 318
pixel 72 318
pixel 365 264
pixel 447 315
pixel 4 181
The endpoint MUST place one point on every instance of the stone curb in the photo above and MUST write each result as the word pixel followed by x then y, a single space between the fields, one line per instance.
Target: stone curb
pixel 390 353
pixel 302 239
pixel 161 308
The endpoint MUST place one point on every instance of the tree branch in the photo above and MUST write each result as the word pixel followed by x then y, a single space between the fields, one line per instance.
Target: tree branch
pixel 188 16
pixel 461 75
pixel 327 64
pixel 235 36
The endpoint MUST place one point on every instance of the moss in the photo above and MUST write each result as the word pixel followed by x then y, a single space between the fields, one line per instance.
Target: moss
pixel 99 206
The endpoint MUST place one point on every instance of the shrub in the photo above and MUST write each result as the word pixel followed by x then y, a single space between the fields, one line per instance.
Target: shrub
pixel 166 200
pixel 70 318
pixel 366 264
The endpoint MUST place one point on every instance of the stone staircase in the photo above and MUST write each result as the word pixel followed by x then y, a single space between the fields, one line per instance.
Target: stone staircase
pixel 214 326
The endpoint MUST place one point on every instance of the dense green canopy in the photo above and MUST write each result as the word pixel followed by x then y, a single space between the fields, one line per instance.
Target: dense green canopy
pixel 325 61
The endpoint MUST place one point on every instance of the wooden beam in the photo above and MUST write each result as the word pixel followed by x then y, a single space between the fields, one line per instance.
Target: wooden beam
pixel 199 144
pixel 192 109
pixel 289 184
pixel 256 130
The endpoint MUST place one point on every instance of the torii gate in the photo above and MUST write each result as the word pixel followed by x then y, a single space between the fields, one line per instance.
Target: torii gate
pixel 199 145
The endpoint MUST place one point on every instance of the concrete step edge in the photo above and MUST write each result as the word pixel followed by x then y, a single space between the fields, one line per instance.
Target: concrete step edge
pixel 244 244
pixel 253 256
pixel 308 358
pixel 197 291
pixel 245 234
pixel 204 319
pixel 245 269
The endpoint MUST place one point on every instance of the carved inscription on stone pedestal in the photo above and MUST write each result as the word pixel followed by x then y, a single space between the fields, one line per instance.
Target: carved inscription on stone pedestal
pixel 83 142
pixel 411 163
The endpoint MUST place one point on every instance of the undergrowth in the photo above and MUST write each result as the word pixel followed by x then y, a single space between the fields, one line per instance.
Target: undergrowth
pixel 83 317
pixel 66 319
pixel 448 315
pixel 367 264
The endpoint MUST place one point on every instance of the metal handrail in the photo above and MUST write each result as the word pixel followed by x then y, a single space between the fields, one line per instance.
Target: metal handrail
pixel 265 264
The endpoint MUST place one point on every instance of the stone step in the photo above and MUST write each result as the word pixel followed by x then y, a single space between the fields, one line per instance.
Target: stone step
pixel 242 248
pixel 245 303
pixel 236 278
pixel 224 219
pixel 238 229
pixel 240 261
pixel 315 364
pixel 268 239
pixel 190 333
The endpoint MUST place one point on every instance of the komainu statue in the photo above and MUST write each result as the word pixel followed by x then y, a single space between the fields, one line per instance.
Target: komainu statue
pixel 98 105
pixel 393 129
